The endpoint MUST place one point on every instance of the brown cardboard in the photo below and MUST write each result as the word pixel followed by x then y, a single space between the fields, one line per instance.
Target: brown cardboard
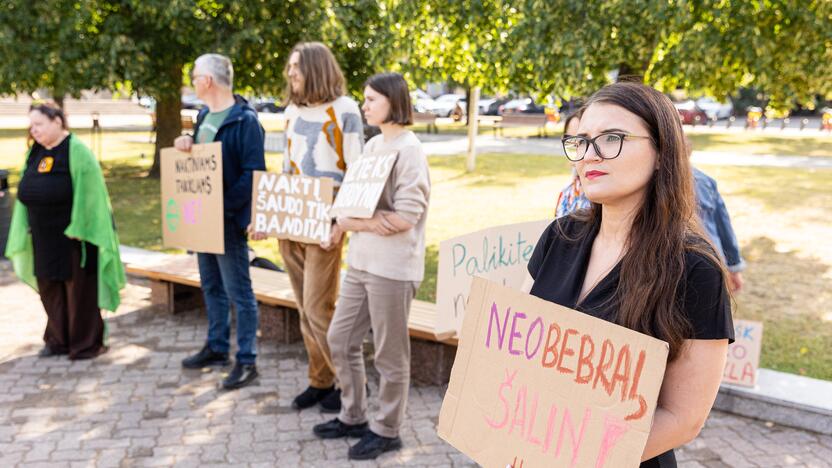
pixel 500 254
pixel 503 407
pixel 744 354
pixel 292 206
pixel 192 198
pixel 363 184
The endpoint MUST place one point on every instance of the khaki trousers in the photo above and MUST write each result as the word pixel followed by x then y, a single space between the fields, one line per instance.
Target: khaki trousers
pixel 372 302
pixel 314 272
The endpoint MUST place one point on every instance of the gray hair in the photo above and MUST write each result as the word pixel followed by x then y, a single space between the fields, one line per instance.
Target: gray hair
pixel 219 67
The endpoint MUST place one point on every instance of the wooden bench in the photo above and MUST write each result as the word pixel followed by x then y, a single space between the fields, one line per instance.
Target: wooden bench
pixel 175 287
pixel 426 118
pixel 521 120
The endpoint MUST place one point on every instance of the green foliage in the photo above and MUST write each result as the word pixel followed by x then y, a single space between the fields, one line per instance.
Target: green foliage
pixel 49 44
pixel 464 42
pixel 712 46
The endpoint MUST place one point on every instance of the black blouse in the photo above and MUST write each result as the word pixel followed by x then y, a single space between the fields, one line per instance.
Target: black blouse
pixel 558 266
pixel 46 190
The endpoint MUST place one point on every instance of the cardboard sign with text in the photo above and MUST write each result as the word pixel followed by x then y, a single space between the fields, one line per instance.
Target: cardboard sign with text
pixel 363 184
pixel 744 354
pixel 192 199
pixel 292 206
pixel 499 254
pixel 535 384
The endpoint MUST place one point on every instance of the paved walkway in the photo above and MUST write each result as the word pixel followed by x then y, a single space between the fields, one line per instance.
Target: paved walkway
pixel 135 406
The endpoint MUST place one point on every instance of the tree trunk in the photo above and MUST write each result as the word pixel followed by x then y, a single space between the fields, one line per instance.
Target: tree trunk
pixel 468 100
pixel 473 113
pixel 59 99
pixel 168 126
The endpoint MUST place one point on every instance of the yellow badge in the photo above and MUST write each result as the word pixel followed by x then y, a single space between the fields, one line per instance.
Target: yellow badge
pixel 45 164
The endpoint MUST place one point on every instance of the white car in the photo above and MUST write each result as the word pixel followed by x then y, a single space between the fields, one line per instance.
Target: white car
pixel 445 104
pixel 422 102
pixel 714 109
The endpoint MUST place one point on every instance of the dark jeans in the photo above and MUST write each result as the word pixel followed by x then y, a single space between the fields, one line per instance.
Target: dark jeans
pixel 227 276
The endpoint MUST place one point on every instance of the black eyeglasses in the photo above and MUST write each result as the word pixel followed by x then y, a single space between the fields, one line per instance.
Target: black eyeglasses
pixel 607 145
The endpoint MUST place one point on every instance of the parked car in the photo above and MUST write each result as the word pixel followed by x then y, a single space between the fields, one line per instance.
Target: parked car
pixel 446 104
pixel 521 105
pixel 689 111
pixel 190 101
pixel 713 109
pixel 422 102
pixel 267 105
pixel 493 107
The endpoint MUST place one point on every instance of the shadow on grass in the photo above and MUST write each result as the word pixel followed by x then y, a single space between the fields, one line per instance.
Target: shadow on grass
pixel 776 188
pixel 751 143
pixel 790 294
pixel 427 291
pixel 499 169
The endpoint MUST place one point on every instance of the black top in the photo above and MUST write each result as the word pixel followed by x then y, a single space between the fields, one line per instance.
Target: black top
pixel 46 191
pixel 558 266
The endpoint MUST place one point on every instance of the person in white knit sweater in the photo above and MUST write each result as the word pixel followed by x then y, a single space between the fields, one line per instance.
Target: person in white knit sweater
pixel 324 135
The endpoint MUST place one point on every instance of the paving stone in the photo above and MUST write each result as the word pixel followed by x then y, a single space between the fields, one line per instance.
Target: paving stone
pixel 135 406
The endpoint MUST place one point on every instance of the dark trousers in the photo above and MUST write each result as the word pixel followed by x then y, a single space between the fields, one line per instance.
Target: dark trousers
pixel 74 323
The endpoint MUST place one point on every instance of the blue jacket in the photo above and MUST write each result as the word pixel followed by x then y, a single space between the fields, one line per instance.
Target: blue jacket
pixel 242 139
pixel 715 219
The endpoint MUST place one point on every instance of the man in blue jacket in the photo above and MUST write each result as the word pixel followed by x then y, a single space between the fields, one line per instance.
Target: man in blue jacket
pixel 229 119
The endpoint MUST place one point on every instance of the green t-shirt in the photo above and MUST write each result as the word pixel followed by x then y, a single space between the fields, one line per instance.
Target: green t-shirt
pixel 211 125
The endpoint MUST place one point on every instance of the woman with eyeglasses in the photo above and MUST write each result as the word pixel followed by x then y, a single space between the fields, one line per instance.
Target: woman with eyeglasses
pixel 62 238
pixel 639 257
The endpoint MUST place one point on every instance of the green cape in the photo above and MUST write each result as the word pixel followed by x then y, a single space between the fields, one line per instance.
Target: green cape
pixel 91 221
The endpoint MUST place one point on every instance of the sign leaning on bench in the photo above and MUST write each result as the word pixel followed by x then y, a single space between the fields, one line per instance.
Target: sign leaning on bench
pixel 535 384
pixel 292 207
pixel 363 183
pixel 744 354
pixel 192 198
pixel 500 254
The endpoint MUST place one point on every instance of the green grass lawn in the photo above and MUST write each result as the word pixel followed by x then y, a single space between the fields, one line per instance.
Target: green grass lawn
pixel 781 217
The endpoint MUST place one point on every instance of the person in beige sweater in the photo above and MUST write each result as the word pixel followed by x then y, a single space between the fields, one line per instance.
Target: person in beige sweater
pixel 386 263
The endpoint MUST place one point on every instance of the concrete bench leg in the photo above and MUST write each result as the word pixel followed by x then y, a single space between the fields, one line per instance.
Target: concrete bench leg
pixel 173 298
pixel 430 362
pixel 280 324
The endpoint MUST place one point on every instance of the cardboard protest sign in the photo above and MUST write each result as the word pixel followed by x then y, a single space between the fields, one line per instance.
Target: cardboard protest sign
pixel 192 199
pixel 535 384
pixel 292 206
pixel 500 254
pixel 363 184
pixel 744 354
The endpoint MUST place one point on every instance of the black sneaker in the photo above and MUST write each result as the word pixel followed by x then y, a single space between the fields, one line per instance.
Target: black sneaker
pixel 240 376
pixel 372 445
pixel 335 429
pixel 331 403
pixel 310 397
pixel 204 358
pixel 46 351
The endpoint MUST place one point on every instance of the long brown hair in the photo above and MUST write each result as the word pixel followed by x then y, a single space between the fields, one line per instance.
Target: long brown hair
pixel 323 80
pixel 651 285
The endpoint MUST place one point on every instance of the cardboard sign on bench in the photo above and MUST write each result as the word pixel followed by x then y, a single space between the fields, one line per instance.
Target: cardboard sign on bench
pixel 744 354
pixel 537 384
pixel 500 254
pixel 192 198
